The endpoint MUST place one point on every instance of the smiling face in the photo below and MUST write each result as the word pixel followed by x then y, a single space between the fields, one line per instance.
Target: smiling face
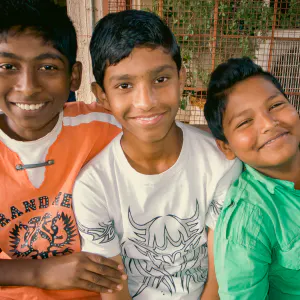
pixel 35 81
pixel 143 93
pixel 262 128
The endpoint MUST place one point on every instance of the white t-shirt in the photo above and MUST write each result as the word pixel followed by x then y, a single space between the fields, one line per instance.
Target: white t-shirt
pixel 156 222
pixel 34 152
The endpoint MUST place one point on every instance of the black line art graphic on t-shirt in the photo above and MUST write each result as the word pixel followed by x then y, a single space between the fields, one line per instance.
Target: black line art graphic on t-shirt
pixel 102 234
pixel 171 249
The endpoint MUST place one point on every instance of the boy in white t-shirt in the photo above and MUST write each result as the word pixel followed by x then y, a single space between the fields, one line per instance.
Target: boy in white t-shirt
pixel 150 194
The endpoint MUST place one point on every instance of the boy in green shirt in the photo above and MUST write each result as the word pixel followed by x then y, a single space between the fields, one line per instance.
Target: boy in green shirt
pixel 257 237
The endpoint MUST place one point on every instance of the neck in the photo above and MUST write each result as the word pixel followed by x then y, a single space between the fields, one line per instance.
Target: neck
pixel 153 157
pixel 290 171
pixel 26 134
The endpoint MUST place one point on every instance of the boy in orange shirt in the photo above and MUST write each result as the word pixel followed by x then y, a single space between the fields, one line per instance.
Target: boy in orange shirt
pixel 43 145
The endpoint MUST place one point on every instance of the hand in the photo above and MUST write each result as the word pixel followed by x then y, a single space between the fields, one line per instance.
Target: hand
pixel 81 270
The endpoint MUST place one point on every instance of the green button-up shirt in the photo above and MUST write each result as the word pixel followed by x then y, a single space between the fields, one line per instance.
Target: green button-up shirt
pixel 257 240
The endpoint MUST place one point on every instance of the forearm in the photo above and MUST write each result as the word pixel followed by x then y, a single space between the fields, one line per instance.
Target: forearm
pixel 19 272
pixel 210 291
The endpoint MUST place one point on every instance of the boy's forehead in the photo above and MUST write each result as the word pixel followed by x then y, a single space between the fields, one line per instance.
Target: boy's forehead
pixel 249 94
pixel 142 61
pixel 254 86
pixel 28 44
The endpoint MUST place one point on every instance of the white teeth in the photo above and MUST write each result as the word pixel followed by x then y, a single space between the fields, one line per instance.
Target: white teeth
pixel 30 106
pixel 148 119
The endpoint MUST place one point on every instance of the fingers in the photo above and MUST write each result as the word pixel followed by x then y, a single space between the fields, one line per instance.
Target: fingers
pixel 97 283
pixel 106 267
pixel 104 261
pixel 105 271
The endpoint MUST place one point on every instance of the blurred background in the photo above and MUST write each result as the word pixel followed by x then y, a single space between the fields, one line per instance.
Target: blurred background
pixel 209 32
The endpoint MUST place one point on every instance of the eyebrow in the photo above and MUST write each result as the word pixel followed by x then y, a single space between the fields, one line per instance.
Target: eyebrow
pixel 161 68
pixel 274 96
pixel 39 57
pixel 238 115
pixel 49 56
pixel 246 110
pixel 120 77
pixel 152 72
pixel 9 55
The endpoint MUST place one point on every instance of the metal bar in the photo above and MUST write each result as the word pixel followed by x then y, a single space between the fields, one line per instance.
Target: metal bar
pixel 128 4
pixel 105 7
pixel 160 8
pixel 277 38
pixel 233 36
pixel 273 33
pixel 195 89
pixel 205 90
pixel 214 46
pixel 293 93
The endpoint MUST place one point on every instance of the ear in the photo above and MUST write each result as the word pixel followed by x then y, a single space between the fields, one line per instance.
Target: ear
pixel 76 76
pixel 100 95
pixel 182 78
pixel 225 148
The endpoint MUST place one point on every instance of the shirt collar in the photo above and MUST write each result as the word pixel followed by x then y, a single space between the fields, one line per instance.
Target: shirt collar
pixel 270 183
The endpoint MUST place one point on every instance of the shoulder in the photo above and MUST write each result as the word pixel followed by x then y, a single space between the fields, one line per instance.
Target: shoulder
pixel 76 113
pixel 243 220
pixel 202 142
pixel 205 150
pixel 101 166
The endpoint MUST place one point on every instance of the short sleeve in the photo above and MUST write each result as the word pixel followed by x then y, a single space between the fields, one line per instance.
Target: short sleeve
pixel 95 226
pixel 109 132
pixel 221 190
pixel 242 252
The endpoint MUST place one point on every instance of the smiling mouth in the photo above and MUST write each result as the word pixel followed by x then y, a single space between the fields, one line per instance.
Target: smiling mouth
pixel 273 139
pixel 30 107
pixel 149 120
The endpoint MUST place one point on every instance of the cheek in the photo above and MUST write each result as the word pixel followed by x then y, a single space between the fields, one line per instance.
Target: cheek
pixel 294 118
pixel 119 105
pixel 289 116
pixel 169 94
pixel 243 141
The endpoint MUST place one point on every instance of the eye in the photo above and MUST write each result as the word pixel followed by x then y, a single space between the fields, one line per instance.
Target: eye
pixel 48 68
pixel 8 67
pixel 245 122
pixel 276 105
pixel 161 79
pixel 124 86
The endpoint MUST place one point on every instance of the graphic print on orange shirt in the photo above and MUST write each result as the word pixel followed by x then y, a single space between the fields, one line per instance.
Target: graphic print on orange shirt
pixel 51 224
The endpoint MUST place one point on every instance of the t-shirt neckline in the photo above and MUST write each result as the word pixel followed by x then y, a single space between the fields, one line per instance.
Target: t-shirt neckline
pixel 140 178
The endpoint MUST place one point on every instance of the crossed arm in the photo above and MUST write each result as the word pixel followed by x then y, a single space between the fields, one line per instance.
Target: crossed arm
pixel 79 270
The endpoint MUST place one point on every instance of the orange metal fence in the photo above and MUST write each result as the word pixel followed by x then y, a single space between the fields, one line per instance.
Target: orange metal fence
pixel 211 31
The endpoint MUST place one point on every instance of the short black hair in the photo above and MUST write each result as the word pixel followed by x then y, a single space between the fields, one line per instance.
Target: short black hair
pixel 117 34
pixel 45 18
pixel 223 78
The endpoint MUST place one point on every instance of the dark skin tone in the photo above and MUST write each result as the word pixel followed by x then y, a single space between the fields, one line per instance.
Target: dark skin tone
pixel 263 129
pixel 33 72
pixel 143 92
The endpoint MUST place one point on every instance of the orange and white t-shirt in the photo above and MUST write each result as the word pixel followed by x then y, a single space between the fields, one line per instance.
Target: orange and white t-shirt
pixel 36 216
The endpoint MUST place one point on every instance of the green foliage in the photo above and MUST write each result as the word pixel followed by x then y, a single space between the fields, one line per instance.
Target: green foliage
pixel 238 21
pixel 291 17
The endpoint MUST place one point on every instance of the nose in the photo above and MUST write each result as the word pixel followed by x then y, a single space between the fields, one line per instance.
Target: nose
pixel 268 122
pixel 144 99
pixel 28 83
